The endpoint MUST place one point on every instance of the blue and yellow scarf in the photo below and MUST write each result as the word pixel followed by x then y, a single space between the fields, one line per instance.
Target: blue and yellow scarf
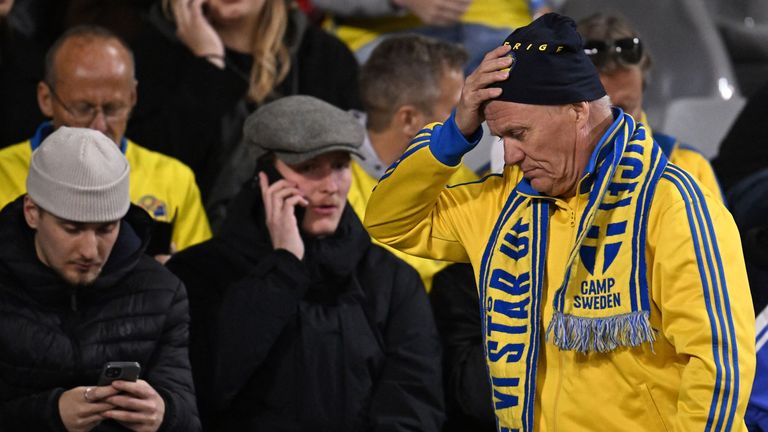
pixel 603 301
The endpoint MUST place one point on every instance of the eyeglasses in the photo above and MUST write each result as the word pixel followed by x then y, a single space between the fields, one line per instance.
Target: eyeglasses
pixel 626 51
pixel 83 112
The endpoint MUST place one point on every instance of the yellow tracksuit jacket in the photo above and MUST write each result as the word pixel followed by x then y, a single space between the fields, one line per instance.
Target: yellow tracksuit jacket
pixel 360 193
pixel 161 185
pixel 679 384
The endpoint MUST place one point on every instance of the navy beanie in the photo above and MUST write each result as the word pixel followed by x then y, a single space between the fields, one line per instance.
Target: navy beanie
pixel 549 65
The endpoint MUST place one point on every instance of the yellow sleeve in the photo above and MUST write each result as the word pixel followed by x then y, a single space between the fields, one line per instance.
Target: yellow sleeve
pixel 14 166
pixel 359 194
pixel 191 226
pixel 413 211
pixel 699 283
pixel 699 167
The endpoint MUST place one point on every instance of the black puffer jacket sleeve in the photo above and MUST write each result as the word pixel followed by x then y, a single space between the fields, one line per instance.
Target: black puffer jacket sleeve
pixel 457 313
pixel 255 309
pixel 409 393
pixel 169 371
pixel 35 412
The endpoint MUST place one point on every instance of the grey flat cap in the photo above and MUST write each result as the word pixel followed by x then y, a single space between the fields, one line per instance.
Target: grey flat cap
pixel 298 128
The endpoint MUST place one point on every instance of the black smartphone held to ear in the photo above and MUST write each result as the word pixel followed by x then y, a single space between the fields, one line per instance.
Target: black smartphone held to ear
pixel 273 175
pixel 119 371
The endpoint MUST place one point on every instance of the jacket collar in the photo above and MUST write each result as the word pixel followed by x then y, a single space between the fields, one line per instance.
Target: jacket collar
pixel 46 128
pixel 21 268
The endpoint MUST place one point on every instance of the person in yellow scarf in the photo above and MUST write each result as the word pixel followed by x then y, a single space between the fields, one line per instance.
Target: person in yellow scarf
pixel 606 301
pixel 618 53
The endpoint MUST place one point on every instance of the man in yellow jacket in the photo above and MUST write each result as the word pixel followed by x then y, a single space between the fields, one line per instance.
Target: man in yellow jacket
pixel 409 81
pixel 90 83
pixel 612 286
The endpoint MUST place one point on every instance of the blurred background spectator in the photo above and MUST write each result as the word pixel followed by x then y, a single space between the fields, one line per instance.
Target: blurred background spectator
pixel 204 66
pixel 408 82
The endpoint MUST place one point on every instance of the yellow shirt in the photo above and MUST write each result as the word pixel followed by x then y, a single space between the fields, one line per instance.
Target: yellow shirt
pixel 161 185
pixel 356 32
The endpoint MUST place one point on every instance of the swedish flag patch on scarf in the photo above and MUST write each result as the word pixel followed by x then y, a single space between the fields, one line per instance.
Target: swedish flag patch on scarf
pixel 603 301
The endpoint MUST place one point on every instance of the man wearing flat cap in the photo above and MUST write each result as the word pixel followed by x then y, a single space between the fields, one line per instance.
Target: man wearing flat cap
pixel 298 322
pixel 612 286
pixel 77 292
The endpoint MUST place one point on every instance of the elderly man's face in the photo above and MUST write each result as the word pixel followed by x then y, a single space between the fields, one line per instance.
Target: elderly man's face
pixel 324 181
pixel 94 87
pixel 545 141
pixel 76 251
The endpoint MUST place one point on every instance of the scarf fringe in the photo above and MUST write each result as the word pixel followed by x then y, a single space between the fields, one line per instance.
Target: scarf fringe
pixel 601 335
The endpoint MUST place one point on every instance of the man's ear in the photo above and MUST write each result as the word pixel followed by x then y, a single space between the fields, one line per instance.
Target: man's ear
pixel 134 94
pixel 409 120
pixel 45 99
pixel 581 111
pixel 31 212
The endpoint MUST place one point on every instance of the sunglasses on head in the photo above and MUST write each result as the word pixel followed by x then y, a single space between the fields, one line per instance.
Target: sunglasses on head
pixel 627 51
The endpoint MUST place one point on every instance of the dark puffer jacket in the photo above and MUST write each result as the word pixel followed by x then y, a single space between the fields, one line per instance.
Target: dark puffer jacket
pixel 343 340
pixel 54 337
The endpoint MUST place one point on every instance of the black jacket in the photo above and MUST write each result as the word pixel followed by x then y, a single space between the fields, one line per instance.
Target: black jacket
pixel 191 110
pixel 341 341
pixel 743 151
pixel 54 337
pixel 457 313
pixel 21 68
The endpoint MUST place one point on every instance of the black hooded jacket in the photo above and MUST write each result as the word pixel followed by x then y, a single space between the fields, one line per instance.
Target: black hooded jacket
pixel 341 341
pixel 54 337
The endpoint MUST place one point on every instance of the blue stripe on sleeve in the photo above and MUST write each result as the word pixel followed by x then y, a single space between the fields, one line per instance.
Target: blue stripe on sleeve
pixel 702 236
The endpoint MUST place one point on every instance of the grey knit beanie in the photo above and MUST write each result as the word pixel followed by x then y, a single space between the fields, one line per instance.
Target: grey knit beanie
pixel 79 175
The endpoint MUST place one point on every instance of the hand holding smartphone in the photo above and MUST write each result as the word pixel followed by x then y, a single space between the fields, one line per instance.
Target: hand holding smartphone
pixel 283 207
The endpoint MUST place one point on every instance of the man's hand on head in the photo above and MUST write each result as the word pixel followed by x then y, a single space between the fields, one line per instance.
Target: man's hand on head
pixel 493 68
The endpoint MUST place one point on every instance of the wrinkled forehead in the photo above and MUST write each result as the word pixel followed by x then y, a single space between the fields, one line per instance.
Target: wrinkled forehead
pixel 502 115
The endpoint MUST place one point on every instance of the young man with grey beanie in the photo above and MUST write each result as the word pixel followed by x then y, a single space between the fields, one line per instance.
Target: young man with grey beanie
pixel 313 327
pixel 77 292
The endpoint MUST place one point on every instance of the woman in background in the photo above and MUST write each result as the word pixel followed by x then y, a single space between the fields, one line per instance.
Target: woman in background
pixel 203 66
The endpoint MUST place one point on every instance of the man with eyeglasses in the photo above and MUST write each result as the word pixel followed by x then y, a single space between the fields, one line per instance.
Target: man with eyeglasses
pixel 620 57
pixel 89 82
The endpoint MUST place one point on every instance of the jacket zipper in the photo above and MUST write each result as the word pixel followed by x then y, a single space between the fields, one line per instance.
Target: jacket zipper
pixel 559 353
pixel 73 315
pixel 73 299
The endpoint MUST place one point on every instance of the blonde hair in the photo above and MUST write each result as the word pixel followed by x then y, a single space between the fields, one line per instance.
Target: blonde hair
pixel 271 60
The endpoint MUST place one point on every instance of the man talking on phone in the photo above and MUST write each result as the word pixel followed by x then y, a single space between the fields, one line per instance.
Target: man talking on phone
pixel 77 292
pixel 299 323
